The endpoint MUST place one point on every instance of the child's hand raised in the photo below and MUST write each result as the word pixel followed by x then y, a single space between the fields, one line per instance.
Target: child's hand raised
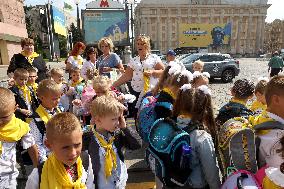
pixel 122 122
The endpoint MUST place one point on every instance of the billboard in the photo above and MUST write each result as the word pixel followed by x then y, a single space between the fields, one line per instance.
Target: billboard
pixel 204 35
pixel 106 23
pixel 58 18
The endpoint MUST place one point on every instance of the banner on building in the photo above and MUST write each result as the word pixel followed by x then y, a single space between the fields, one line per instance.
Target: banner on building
pixel 204 35
pixel 106 23
pixel 58 21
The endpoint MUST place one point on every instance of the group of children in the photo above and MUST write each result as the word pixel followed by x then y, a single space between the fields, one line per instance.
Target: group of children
pixel 51 122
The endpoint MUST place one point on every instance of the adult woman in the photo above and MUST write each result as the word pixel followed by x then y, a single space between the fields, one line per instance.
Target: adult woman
pixel 28 59
pixel 109 60
pixel 144 70
pixel 90 62
pixel 75 60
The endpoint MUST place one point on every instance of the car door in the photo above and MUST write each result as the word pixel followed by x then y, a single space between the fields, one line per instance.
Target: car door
pixel 216 65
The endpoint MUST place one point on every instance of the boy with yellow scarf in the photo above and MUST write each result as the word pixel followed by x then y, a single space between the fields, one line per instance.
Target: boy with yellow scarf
pixel 65 167
pixel 25 96
pixel 49 94
pixel 105 147
pixel 32 79
pixel 12 130
pixel 269 125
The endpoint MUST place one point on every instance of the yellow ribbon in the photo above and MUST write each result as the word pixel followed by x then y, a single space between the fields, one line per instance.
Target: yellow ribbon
pixel 146 80
pixel 256 105
pixel 41 111
pixel 54 175
pixel 110 156
pixel 74 84
pixel 13 131
pixel 31 57
pixel 170 92
pixel 78 59
pixel 26 92
pixel 34 86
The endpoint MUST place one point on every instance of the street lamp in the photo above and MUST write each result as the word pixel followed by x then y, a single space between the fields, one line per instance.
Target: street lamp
pixel 78 18
pixel 132 3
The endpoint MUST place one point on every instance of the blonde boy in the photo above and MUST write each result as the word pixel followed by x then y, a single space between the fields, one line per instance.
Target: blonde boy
pixel 259 105
pixel 12 130
pixel 198 66
pixel 66 166
pixel 32 79
pixel 25 97
pixel 49 94
pixel 111 135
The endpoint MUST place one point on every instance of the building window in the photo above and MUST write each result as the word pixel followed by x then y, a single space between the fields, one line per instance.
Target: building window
pixel 174 11
pixel 173 35
pixel 164 11
pixel 164 28
pixel 1 17
pixel 183 11
pixel 153 11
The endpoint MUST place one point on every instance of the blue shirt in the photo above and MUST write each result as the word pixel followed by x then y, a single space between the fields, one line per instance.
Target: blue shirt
pixel 112 61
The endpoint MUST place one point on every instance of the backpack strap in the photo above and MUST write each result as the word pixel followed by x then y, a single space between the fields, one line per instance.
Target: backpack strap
pixel 269 125
pixel 85 161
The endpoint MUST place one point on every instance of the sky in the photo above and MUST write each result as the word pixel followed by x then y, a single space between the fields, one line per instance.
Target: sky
pixel 275 11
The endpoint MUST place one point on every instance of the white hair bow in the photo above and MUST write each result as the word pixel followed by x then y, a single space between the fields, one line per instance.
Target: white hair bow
pixel 205 89
pixel 185 87
pixel 263 79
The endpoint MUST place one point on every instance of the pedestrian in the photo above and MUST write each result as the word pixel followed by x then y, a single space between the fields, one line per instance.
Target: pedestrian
pixel 275 64
pixel 28 59
pixel 12 130
pixel 108 61
pixel 144 72
pixel 66 166
pixel 90 63
pixel 111 135
pixel 75 59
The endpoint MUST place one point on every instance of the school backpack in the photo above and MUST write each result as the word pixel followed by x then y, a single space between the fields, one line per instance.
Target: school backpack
pixel 241 179
pixel 169 152
pixel 147 115
pixel 237 146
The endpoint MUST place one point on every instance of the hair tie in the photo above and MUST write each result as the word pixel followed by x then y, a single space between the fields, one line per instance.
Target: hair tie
pixel 185 87
pixel 205 89
pixel 175 69
pixel 187 74
pixel 196 74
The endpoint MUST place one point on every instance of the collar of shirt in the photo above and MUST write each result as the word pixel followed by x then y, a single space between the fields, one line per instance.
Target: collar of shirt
pixel 275 117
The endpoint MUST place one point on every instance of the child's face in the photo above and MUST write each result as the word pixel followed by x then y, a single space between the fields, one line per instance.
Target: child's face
pixel 32 78
pixel 260 97
pixel 197 67
pixel 21 80
pixel 50 100
pixel 75 76
pixel 108 123
pixel 58 78
pixel 67 148
pixel 170 58
pixel 6 114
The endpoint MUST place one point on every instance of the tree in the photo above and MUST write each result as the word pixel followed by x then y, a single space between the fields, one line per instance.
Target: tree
pixel 273 32
pixel 76 34
pixel 29 22
pixel 62 46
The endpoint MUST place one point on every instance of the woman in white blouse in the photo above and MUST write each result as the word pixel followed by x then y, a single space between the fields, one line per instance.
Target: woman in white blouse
pixel 75 60
pixel 90 63
pixel 143 70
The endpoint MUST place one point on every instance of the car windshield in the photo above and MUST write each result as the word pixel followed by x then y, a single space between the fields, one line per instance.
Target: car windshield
pixel 189 59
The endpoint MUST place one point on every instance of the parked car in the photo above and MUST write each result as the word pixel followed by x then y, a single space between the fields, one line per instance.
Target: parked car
pixel 217 65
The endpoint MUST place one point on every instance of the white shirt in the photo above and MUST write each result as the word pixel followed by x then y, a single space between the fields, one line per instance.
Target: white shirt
pixel 87 178
pixel 87 65
pixel 8 157
pixel 118 178
pixel 74 62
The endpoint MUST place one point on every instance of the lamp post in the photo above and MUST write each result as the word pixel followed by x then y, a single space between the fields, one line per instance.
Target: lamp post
pixel 78 17
pixel 132 3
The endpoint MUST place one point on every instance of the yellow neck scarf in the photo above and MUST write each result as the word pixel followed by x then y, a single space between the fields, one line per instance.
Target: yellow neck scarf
pixel 31 57
pixel 74 84
pixel 26 92
pixel 43 114
pixel 110 156
pixel 170 92
pixel 78 59
pixel 13 131
pixel 243 102
pixel 54 175
pixel 256 105
pixel 34 86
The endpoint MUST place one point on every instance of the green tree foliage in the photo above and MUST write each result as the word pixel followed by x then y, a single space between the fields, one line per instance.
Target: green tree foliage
pixel 29 23
pixel 62 46
pixel 76 34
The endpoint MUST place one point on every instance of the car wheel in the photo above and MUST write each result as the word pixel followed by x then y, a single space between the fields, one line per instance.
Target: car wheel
pixel 228 76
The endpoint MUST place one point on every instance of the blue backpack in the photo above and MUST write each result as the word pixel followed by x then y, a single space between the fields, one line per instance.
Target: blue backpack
pixel 169 153
pixel 147 115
